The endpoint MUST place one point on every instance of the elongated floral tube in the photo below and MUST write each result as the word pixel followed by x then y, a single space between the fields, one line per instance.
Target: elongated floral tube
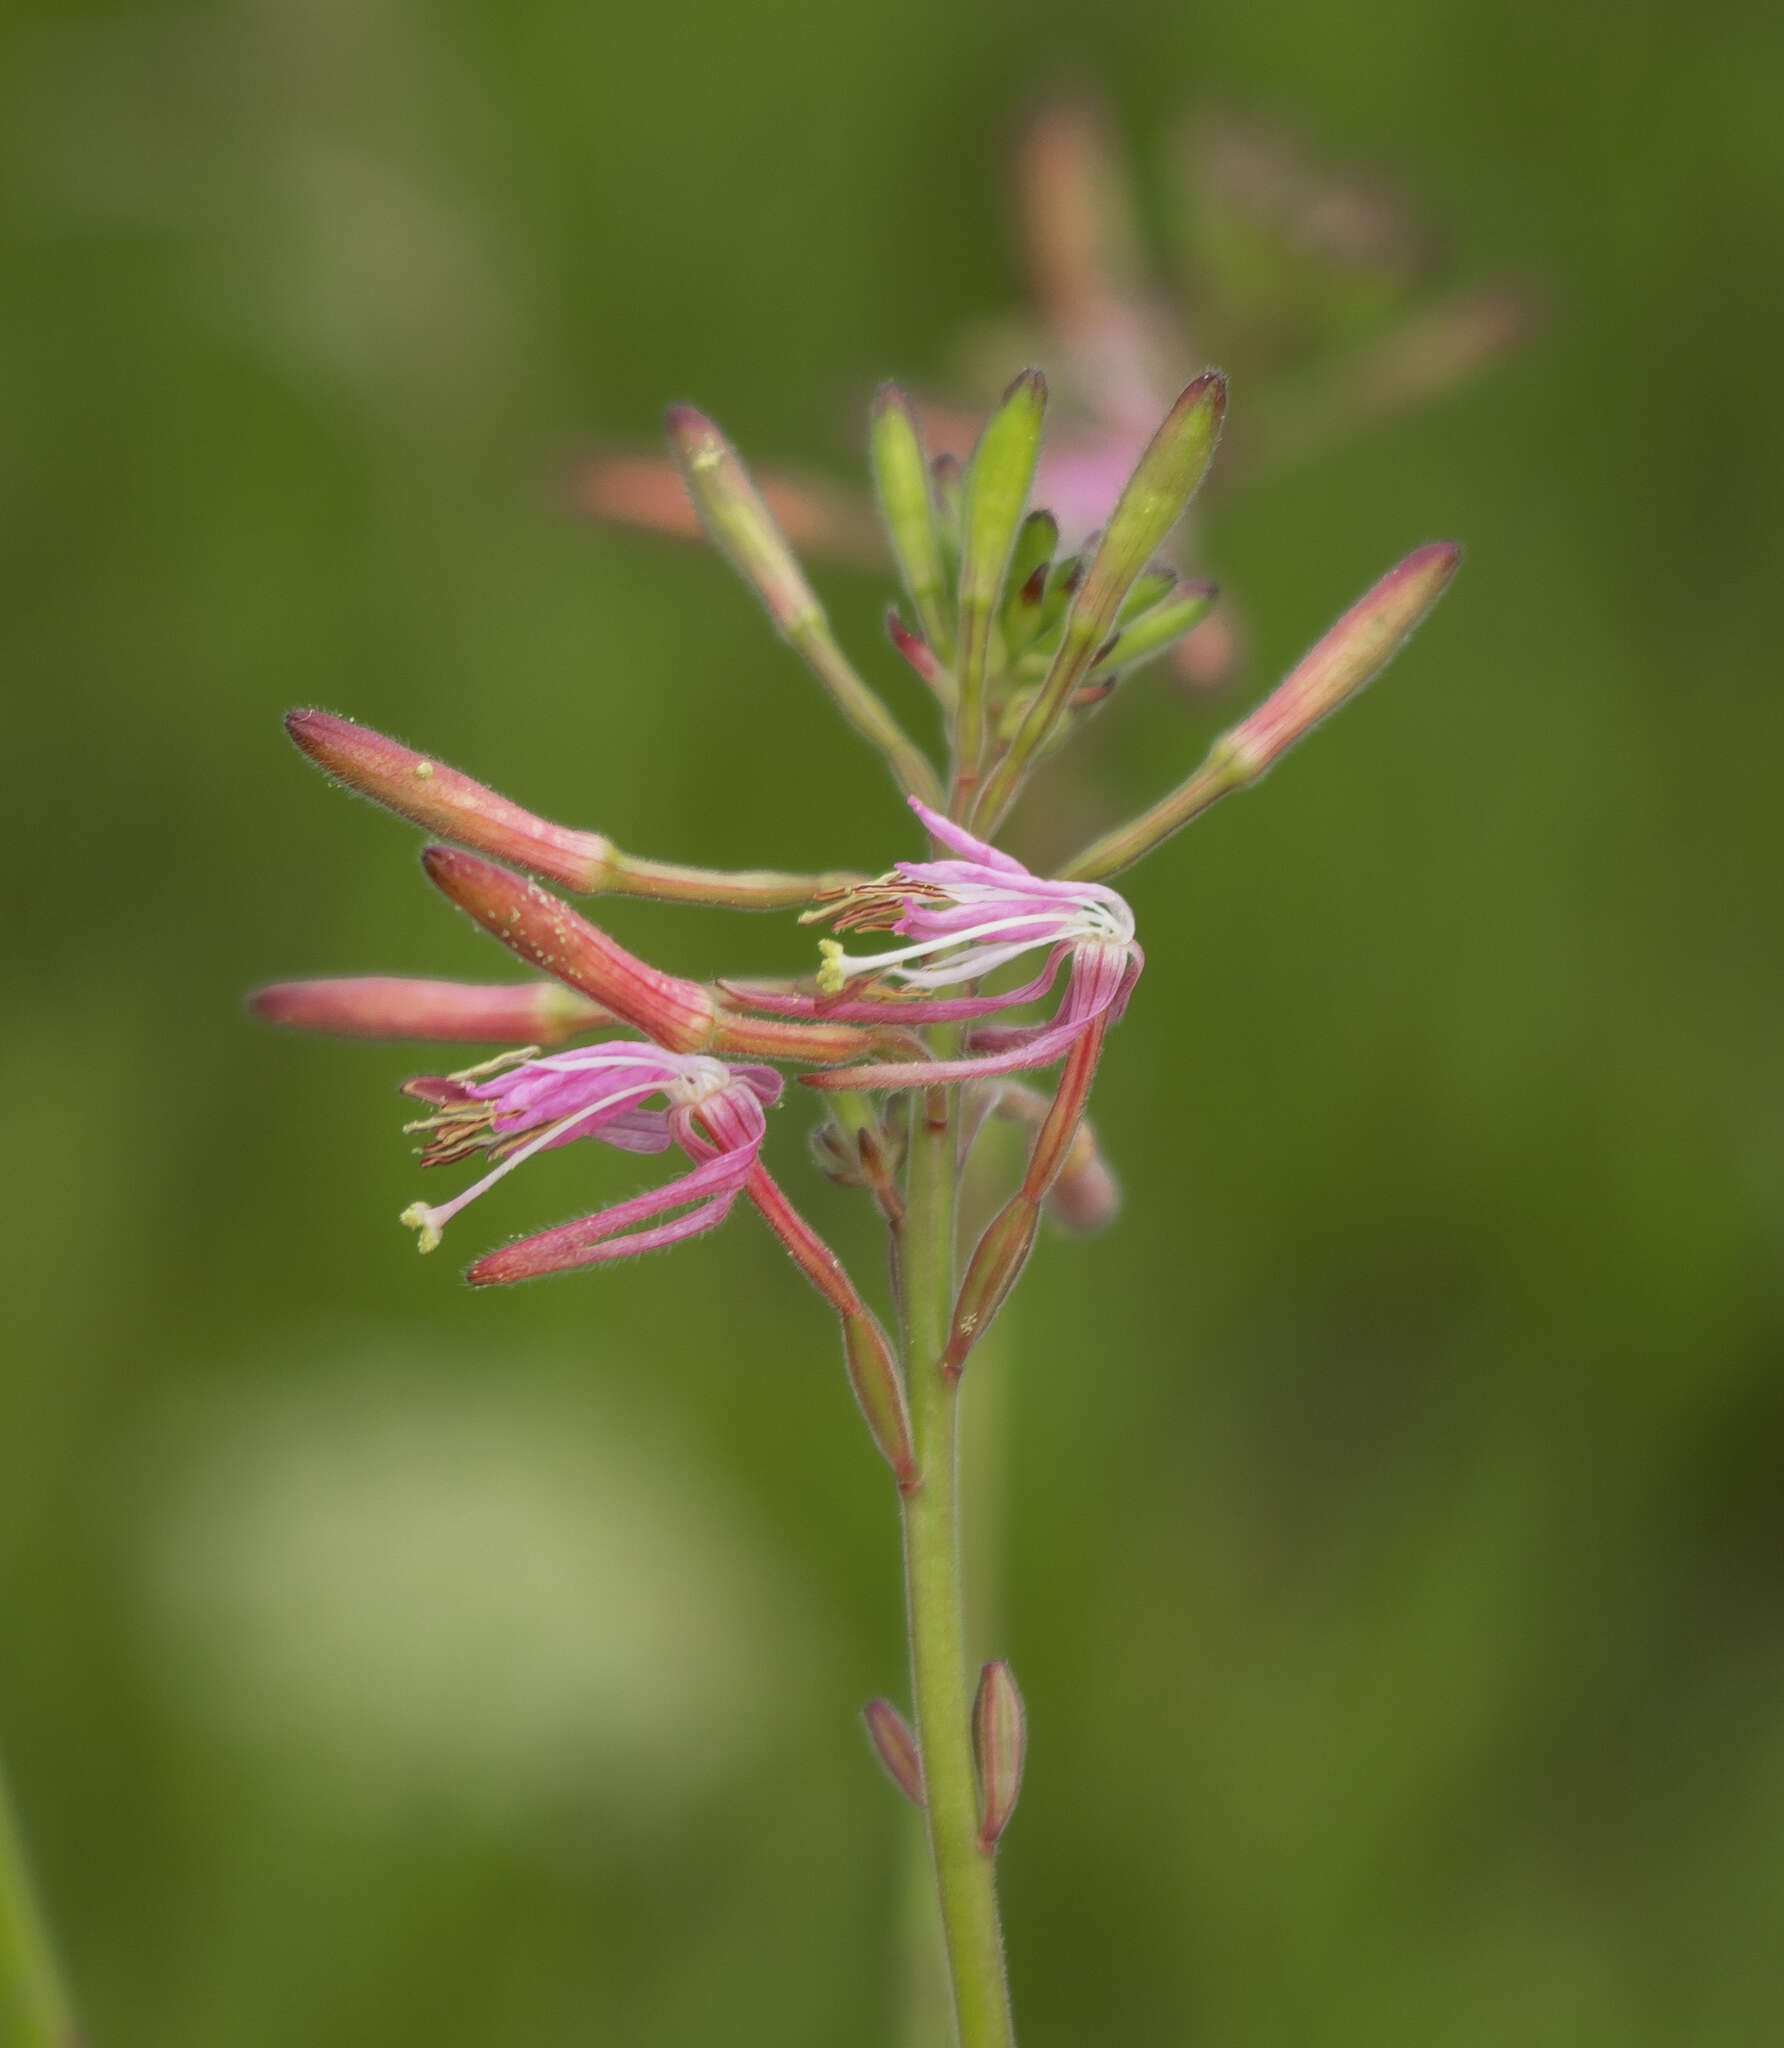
pixel 743 530
pixel 1351 654
pixel 1154 499
pixel 391 1006
pixel 678 1014
pixel 444 800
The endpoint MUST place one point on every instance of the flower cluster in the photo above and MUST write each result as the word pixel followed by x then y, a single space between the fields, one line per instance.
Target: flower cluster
pixel 1016 643
pixel 916 1026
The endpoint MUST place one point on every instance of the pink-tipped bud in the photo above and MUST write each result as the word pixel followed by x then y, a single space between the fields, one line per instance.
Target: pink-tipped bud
pixel 388 1006
pixel 738 520
pixel 1000 1742
pixel 549 935
pixel 1350 654
pixel 896 1748
pixel 994 1268
pixel 1331 672
pixel 430 794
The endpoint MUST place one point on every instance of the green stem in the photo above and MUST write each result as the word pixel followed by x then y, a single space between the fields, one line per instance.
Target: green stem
pixel 965 1875
pixel 33 1995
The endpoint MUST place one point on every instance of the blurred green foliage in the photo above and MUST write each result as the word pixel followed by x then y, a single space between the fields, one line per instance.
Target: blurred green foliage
pixel 1393 1500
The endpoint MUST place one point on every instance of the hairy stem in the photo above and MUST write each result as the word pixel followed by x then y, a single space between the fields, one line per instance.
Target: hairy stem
pixel 35 2009
pixel 965 1876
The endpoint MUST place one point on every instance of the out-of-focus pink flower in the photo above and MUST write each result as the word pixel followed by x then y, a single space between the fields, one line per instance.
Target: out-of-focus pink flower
pixel 640 1098
pixel 964 917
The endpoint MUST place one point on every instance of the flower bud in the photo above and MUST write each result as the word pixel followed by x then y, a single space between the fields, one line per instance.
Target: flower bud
pixel 739 521
pixel 1333 670
pixel 879 1392
pixel 993 1269
pixel 388 1006
pixel 548 934
pixel 896 1747
pixel 743 530
pixel 907 508
pixel 1154 499
pixel 681 1015
pixel 1000 1741
pixel 996 495
pixel 1348 655
pixel 430 794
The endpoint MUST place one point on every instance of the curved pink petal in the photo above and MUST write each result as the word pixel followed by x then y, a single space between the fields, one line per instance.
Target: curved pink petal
pixel 895 1009
pixel 1102 979
pixel 962 842
pixel 526 1261
pixel 551 1251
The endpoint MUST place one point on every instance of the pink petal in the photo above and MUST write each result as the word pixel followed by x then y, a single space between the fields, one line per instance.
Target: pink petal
pixel 894 1009
pixel 552 1250
pixel 962 842
pixel 528 1260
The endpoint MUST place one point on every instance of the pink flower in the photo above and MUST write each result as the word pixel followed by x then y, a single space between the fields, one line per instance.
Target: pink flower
pixel 962 918
pixel 515 1106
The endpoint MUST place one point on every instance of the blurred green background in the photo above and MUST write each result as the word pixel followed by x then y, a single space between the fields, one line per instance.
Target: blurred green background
pixel 1393 1500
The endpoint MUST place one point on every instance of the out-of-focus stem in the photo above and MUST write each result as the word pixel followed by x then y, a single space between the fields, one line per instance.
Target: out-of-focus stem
pixel 35 2008
pixel 965 1874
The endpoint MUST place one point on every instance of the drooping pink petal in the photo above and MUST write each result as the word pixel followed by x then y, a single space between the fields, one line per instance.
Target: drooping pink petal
pixel 532 1260
pixel 574 1244
pixel 961 841
pixel 1102 978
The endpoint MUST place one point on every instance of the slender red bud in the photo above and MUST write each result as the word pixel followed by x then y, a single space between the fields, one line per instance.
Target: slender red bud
pixel 1000 1743
pixel 389 1006
pixel 548 934
pixel 896 1748
pixel 430 794
pixel 1351 653
pixel 682 1015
